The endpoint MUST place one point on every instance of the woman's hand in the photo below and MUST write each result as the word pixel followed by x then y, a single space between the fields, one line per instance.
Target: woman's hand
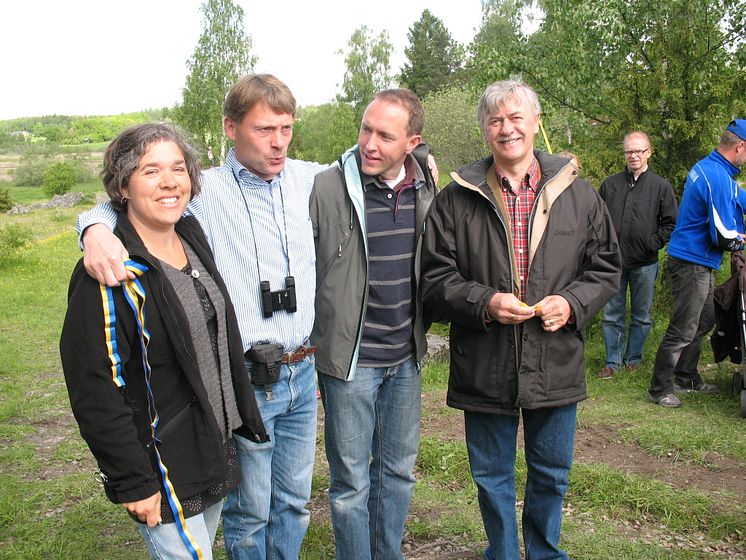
pixel 146 511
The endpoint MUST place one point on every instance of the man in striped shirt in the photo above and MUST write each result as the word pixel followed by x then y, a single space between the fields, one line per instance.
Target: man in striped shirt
pixel 368 215
pixel 254 211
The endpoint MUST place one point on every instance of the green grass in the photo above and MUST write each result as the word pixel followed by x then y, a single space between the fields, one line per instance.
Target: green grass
pixel 51 506
pixel 84 148
pixel 30 195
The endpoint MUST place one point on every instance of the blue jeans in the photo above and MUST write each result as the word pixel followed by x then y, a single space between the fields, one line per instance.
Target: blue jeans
pixel 164 542
pixel 549 434
pixel 266 516
pixel 641 282
pixel 377 415
pixel 692 317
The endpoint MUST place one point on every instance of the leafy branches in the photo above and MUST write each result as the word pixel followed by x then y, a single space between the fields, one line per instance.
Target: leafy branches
pixel 222 56
pixel 368 68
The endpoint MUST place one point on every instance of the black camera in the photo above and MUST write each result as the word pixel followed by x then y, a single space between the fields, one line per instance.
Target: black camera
pixel 279 299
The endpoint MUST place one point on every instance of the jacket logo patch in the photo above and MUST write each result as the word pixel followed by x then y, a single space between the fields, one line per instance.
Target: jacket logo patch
pixel 564 232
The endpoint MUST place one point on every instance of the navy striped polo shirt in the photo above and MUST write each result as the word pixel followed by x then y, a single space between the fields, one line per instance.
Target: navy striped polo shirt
pixel 389 316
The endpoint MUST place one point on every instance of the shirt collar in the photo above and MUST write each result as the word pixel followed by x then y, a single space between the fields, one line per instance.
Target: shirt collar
pixel 732 169
pixel 244 176
pixel 532 177
pixel 419 176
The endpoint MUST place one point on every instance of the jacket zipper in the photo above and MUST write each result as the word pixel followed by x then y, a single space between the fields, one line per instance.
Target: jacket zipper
pixel 510 253
pixel 175 420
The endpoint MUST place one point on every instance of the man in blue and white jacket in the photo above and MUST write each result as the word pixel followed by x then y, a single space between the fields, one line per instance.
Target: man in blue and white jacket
pixel 710 221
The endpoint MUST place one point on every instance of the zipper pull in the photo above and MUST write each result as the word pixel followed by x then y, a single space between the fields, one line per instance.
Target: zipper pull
pixel 339 251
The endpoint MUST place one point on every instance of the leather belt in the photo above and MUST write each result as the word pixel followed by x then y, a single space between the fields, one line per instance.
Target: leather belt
pixel 298 354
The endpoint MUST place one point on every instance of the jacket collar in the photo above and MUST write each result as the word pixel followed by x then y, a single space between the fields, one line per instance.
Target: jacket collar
pixel 719 158
pixel 474 175
pixel 134 245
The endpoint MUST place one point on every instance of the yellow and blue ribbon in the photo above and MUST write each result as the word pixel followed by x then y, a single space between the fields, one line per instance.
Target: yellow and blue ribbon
pixel 134 294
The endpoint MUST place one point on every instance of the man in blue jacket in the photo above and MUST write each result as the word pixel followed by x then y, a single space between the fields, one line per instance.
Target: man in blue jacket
pixel 710 221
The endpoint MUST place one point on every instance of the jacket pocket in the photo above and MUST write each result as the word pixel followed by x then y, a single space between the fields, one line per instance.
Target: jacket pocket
pixel 332 253
pixel 178 417
pixel 191 449
pixel 562 360
pixel 475 373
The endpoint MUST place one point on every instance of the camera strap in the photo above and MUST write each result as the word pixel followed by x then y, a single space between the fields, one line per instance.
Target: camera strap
pixel 286 248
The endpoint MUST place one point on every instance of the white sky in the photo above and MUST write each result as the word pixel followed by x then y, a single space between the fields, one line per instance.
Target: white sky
pixel 99 57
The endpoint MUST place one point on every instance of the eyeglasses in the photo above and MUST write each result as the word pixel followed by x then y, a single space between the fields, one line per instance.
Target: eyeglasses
pixel 635 152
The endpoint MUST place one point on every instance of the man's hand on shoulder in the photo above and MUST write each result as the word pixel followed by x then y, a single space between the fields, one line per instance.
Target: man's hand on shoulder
pixel 104 256
pixel 433 166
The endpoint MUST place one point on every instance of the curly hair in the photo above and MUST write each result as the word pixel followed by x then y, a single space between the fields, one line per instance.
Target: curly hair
pixel 124 153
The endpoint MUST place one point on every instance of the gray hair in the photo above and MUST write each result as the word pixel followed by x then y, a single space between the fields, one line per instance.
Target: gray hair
pixel 498 93
pixel 124 153
pixel 729 139
pixel 639 133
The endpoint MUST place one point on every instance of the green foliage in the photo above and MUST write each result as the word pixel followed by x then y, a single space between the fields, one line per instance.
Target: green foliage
pixel 433 57
pixel 496 44
pixel 221 57
pixel 323 133
pixel 5 201
pixel 11 141
pixel 30 173
pixel 81 168
pixel 669 67
pixel 368 68
pixel 12 238
pixel 58 178
pixel 451 128
pixel 65 129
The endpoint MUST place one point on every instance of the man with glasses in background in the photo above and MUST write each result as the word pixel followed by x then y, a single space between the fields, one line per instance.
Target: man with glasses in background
pixel 643 208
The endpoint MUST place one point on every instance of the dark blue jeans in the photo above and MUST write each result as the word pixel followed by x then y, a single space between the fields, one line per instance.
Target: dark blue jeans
pixel 692 317
pixel 549 434
pixel 621 349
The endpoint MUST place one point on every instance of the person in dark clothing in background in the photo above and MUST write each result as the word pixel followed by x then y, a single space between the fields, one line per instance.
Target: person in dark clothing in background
pixel 643 208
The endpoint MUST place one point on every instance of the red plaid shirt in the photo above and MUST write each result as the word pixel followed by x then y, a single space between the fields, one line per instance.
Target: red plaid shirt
pixel 519 205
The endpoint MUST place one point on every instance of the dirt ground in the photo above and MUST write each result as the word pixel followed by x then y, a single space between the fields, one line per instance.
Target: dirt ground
pixel 595 444
pixel 602 444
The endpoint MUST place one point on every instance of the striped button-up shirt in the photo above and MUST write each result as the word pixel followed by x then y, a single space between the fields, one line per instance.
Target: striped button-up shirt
pixel 250 249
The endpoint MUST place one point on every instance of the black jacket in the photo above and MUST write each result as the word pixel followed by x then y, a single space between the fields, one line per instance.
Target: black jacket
pixel 468 257
pixel 643 212
pixel 115 422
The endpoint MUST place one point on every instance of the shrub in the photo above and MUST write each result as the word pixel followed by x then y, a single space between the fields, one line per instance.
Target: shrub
pixel 5 202
pixel 59 178
pixel 452 130
pixel 30 173
pixel 83 172
pixel 12 237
